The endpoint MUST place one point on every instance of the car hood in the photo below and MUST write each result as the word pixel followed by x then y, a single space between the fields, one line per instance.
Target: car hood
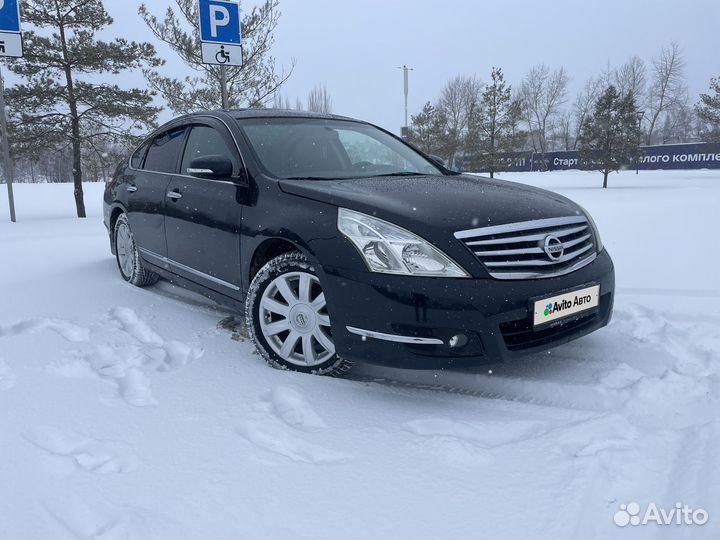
pixel 449 203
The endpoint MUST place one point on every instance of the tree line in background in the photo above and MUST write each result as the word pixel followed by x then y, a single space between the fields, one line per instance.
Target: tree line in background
pixel 69 122
pixel 477 123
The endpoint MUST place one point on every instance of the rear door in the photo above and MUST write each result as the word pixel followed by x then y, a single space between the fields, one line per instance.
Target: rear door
pixel 203 216
pixel 153 166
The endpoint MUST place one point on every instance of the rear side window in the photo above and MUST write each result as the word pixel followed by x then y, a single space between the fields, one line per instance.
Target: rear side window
pixel 136 162
pixel 164 151
pixel 205 141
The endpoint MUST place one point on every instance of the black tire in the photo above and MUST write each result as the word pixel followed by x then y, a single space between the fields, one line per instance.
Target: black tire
pixel 131 268
pixel 283 267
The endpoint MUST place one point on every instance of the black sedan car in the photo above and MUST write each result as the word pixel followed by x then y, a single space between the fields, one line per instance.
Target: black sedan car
pixel 340 243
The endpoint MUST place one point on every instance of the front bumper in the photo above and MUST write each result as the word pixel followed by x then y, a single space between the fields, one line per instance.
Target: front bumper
pixel 494 316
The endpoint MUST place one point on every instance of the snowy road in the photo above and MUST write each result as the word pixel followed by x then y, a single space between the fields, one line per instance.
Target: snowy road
pixel 129 413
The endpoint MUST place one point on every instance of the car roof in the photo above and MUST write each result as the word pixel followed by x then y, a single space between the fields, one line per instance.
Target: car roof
pixel 239 114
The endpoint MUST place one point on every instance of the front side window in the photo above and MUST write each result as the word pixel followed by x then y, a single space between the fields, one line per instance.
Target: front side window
pixel 330 149
pixel 204 141
pixel 164 151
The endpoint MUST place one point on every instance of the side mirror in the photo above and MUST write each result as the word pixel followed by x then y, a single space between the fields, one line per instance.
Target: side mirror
pixel 215 167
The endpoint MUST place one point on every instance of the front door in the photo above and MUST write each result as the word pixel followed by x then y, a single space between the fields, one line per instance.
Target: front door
pixel 203 216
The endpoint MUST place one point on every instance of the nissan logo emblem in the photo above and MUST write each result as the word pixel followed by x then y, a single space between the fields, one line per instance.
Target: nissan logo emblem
pixel 553 247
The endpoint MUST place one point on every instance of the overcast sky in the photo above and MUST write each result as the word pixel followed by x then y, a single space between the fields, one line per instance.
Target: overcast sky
pixel 355 46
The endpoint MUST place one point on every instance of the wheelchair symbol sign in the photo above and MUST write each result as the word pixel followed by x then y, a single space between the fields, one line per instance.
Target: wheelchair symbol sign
pixel 222 56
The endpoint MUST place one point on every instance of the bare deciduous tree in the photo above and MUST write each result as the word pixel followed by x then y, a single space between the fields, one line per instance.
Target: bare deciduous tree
pixel 584 106
pixel 680 123
pixel 631 77
pixel 319 100
pixel 543 93
pixel 459 100
pixel 281 102
pixel 563 131
pixel 667 86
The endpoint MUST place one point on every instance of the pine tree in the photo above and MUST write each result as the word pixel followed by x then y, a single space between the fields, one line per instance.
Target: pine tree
pixel 708 111
pixel 427 131
pixel 253 85
pixel 493 129
pixel 62 103
pixel 610 137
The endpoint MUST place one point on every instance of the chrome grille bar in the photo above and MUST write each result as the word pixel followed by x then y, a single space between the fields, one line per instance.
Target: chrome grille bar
pixel 520 226
pixel 538 262
pixel 540 236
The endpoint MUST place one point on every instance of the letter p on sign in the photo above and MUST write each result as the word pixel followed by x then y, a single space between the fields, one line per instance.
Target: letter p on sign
pixel 219 21
pixel 219 16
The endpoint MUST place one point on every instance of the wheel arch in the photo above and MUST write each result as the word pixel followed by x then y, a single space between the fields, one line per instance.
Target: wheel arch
pixel 267 250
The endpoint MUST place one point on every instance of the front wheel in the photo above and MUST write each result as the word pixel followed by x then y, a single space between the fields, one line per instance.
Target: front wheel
pixel 287 317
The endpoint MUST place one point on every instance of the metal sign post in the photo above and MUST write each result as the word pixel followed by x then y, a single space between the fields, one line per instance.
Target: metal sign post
pixel 10 46
pixel 406 81
pixel 221 37
pixel 8 166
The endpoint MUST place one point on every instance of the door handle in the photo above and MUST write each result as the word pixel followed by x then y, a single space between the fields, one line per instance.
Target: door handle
pixel 131 189
pixel 174 195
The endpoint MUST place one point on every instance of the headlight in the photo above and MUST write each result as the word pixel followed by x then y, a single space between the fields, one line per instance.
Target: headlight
pixel 389 249
pixel 596 232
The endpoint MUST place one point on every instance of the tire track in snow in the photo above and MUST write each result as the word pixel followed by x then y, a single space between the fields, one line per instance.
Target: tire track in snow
pixel 516 389
pixel 695 478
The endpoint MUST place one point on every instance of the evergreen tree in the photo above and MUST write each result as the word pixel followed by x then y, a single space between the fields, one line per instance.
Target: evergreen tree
pixel 253 85
pixel 610 137
pixel 493 129
pixel 62 103
pixel 708 111
pixel 427 131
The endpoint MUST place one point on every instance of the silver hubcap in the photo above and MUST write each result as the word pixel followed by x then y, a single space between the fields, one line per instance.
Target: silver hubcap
pixel 125 251
pixel 294 319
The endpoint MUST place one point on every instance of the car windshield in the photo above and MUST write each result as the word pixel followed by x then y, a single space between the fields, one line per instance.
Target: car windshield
pixel 324 149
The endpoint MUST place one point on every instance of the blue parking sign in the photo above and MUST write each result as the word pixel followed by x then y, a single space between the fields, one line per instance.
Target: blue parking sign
pixel 10 16
pixel 220 21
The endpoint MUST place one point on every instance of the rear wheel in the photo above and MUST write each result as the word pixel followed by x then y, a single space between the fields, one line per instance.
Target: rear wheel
pixel 129 262
pixel 288 319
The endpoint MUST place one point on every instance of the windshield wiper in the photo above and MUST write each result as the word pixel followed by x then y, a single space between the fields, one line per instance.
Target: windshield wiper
pixel 308 178
pixel 399 173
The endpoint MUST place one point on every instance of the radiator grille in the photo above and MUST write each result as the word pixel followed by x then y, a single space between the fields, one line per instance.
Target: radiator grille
pixel 541 248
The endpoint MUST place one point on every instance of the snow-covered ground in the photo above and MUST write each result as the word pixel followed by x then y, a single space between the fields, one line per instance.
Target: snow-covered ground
pixel 130 413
